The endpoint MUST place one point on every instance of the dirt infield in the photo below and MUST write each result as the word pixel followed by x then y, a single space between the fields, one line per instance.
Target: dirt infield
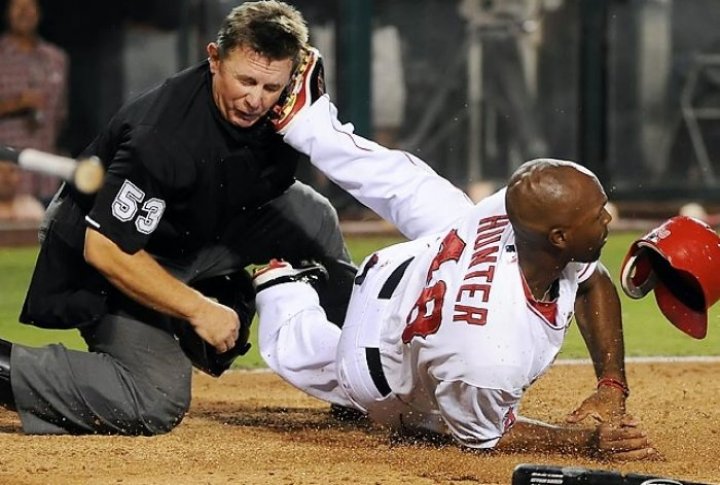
pixel 251 428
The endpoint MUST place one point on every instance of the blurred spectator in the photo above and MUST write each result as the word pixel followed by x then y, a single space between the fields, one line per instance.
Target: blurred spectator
pixel 33 90
pixel 388 90
pixel 506 31
pixel 16 206
pixel 94 35
pixel 387 76
pixel 388 85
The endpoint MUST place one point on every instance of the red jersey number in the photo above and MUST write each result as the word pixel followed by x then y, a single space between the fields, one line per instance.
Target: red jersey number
pixel 429 313
pixel 426 316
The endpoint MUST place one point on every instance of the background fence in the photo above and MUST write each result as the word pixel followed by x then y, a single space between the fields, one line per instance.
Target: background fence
pixel 631 88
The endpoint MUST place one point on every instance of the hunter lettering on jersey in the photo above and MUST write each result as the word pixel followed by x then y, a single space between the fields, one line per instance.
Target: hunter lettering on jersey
pixel 426 315
pixel 472 295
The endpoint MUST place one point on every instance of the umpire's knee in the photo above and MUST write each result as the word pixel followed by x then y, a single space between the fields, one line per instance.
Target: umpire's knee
pixel 159 404
pixel 161 414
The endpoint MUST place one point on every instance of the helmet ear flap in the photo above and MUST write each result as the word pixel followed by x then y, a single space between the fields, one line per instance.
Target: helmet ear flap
pixel 638 277
pixel 645 269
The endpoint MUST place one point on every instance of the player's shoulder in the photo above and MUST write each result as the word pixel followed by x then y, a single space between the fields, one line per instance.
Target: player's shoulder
pixel 492 204
pixel 489 214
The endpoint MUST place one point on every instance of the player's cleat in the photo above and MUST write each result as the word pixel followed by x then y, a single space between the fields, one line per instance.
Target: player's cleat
pixel 306 85
pixel 278 272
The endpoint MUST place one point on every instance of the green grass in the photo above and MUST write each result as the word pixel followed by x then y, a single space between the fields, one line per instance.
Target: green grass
pixel 647 332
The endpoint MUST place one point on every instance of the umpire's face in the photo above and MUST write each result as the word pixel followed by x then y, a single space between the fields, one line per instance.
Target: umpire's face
pixel 246 84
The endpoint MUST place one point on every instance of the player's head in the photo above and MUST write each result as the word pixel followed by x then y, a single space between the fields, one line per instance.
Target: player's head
pixel 679 261
pixel 256 50
pixel 559 207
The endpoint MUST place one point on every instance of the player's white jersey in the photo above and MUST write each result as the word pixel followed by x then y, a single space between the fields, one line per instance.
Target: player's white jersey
pixel 464 337
pixel 461 337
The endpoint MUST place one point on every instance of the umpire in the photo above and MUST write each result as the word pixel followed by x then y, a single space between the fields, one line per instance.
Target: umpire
pixel 198 186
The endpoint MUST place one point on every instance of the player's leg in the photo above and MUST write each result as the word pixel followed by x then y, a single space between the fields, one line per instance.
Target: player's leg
pixel 295 337
pixel 135 380
pixel 359 362
pixel 299 343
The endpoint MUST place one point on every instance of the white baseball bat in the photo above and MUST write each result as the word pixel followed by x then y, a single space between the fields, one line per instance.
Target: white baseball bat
pixel 86 174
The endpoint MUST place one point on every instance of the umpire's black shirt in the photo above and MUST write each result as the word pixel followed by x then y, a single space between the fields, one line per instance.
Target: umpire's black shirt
pixel 177 171
pixel 177 174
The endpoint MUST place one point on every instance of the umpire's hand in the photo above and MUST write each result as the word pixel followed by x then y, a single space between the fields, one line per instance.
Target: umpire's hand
pixel 216 324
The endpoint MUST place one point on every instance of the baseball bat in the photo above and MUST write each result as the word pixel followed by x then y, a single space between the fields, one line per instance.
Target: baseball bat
pixel 526 474
pixel 86 174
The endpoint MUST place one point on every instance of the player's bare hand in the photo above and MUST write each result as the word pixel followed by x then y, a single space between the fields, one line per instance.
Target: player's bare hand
pixel 606 404
pixel 217 324
pixel 623 441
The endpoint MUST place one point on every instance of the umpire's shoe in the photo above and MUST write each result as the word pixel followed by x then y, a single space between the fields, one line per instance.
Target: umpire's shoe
pixel 278 272
pixel 306 85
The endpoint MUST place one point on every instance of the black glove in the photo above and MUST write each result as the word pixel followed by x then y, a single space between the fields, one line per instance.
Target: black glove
pixel 234 291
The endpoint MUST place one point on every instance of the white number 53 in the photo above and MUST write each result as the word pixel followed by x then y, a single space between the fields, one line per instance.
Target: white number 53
pixel 127 203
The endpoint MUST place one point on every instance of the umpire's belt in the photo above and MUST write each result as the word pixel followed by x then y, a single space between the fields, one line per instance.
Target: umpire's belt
pixel 372 354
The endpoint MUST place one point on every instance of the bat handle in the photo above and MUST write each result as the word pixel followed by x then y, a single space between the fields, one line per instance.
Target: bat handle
pixel 9 154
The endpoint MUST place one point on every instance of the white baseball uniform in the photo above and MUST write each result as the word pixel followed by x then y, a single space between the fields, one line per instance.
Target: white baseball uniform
pixel 442 332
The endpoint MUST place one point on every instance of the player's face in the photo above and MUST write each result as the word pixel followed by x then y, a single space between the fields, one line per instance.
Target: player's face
pixel 246 84
pixel 591 228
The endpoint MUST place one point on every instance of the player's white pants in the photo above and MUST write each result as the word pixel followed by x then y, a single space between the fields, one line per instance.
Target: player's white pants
pixel 302 346
pixel 297 341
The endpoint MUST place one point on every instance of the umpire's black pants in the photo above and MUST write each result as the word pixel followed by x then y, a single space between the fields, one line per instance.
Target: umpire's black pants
pixel 135 379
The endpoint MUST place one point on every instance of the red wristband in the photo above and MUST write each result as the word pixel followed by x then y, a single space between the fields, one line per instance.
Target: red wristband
pixel 610 382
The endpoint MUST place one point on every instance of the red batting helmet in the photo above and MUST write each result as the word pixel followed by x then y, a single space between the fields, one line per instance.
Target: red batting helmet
pixel 680 260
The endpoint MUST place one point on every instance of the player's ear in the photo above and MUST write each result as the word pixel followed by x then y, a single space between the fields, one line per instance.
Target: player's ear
pixel 558 237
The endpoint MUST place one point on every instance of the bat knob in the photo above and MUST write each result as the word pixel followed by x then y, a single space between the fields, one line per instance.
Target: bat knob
pixel 89 175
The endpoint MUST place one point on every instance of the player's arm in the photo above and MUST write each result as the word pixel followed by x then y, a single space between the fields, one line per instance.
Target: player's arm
pixel 140 277
pixel 484 418
pixel 621 441
pixel 396 185
pixel 598 315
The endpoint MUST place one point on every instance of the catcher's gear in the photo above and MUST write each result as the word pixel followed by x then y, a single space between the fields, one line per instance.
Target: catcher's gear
pixel 234 291
pixel 679 260
pixel 306 85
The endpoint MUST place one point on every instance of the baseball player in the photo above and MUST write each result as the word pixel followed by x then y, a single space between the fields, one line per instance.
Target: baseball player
pixel 444 333
pixel 198 186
